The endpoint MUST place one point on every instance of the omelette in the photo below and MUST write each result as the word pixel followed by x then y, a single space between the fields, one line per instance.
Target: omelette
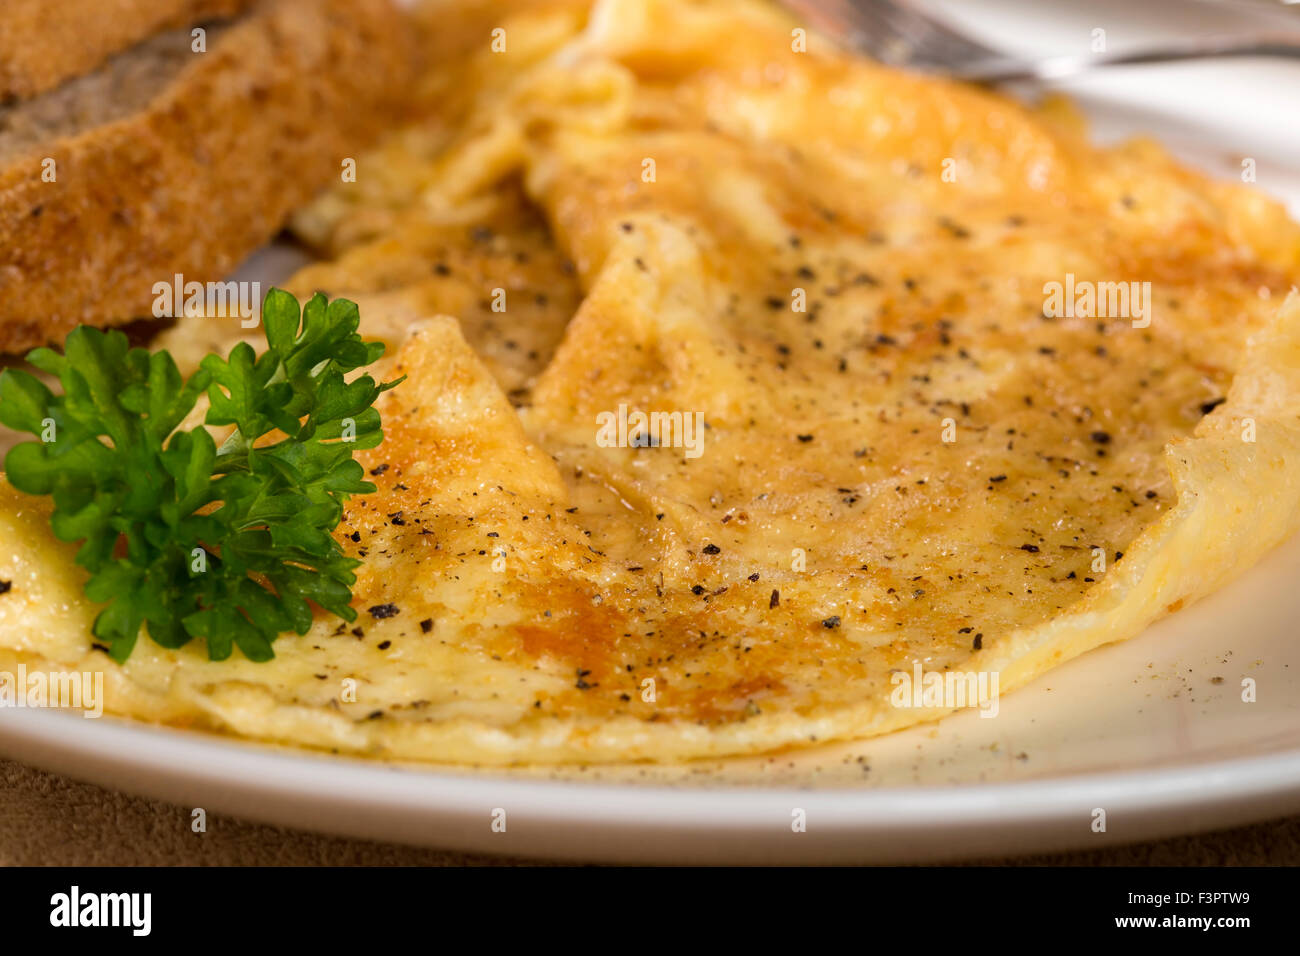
pixel 746 380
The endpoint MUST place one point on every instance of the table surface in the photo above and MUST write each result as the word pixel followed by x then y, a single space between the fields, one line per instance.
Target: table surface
pixel 51 820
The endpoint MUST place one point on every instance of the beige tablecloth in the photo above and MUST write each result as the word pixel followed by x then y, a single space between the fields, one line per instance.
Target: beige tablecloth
pixel 46 819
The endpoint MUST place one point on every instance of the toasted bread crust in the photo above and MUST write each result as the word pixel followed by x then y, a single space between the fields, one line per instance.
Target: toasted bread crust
pixel 202 176
pixel 44 42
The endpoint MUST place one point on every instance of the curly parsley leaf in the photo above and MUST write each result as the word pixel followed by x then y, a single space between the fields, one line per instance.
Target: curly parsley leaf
pixel 231 544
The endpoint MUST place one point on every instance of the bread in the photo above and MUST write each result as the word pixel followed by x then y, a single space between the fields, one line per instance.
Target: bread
pixel 168 161
pixel 44 42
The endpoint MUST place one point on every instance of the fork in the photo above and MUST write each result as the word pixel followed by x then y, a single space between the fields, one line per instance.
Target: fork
pixel 895 32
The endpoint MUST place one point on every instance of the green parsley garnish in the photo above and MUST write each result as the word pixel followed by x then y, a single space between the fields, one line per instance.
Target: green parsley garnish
pixel 228 544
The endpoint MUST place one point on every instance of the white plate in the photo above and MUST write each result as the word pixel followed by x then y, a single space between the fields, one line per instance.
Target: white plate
pixel 1153 731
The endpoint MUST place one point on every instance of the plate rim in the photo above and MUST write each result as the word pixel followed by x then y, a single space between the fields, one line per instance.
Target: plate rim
pixel 204 757
pixel 572 820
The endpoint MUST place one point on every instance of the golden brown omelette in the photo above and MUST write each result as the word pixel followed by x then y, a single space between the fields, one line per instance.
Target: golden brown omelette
pixel 743 376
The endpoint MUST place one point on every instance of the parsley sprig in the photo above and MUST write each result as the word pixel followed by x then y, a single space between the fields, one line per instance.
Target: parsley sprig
pixel 228 544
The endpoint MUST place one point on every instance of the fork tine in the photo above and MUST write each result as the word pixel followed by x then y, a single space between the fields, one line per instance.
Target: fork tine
pixel 858 26
pixel 892 32
pixel 929 41
pixel 898 33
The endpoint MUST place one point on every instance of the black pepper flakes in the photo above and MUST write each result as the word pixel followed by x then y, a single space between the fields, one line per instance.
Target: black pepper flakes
pixel 381 611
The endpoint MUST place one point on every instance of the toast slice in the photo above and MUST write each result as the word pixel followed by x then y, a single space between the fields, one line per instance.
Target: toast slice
pixel 44 42
pixel 168 161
